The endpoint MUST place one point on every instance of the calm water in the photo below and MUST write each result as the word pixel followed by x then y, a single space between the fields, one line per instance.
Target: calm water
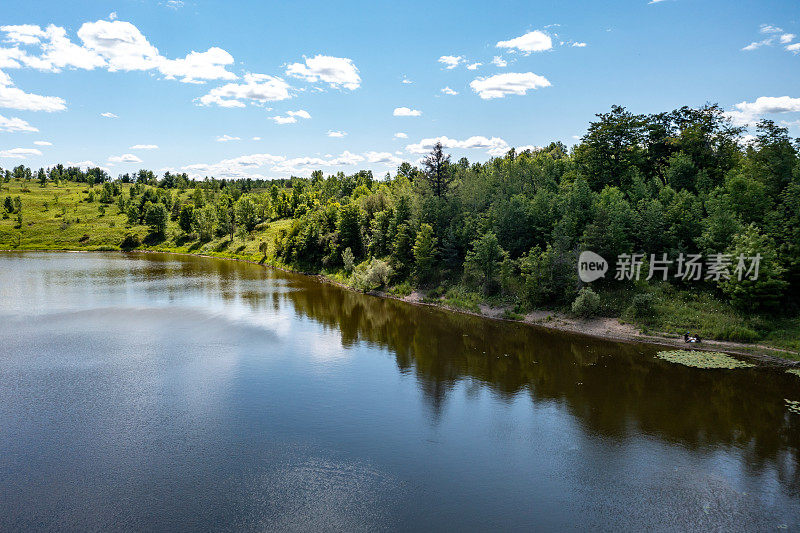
pixel 156 392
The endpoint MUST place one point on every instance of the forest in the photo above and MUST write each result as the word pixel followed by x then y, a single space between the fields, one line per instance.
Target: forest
pixel 506 231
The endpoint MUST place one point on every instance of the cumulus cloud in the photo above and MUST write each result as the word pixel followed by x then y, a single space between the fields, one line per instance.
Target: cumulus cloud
pixel 112 44
pixel 263 165
pixel 14 124
pixel 406 112
pixel 14 98
pixel 494 146
pixel 226 138
pixel 256 89
pixel 579 45
pixel 291 116
pixel 449 91
pixel 124 158
pixel 144 147
pixel 451 62
pixel 108 115
pixel 335 71
pixel 42 143
pixel 502 85
pixel 474 66
pixel 787 38
pixel 338 134
pixel 533 41
pixel 400 135
pixel 747 113
pixel 197 67
pixel 794 48
pixel 19 153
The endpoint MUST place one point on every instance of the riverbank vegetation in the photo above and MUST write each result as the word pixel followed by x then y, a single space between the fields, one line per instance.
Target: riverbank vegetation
pixel 507 232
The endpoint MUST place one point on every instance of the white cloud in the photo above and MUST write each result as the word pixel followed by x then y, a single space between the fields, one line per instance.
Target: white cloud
pixel 406 81
pixel 579 45
pixel 14 124
pixel 494 146
pixel 498 61
pixel 758 44
pixel 14 98
pixel 291 117
pixel 108 115
pixel 747 113
pixel 385 158
pixel 174 4
pixel 338 134
pixel 198 66
pixel 42 143
pixel 533 41
pixel 400 135
pixel 335 71
pixel 451 62
pixel 501 85
pixel 124 158
pixel 449 91
pixel 768 28
pixel 112 15
pixel 786 38
pixel 257 89
pixel 794 48
pixel 113 44
pixel 474 66
pixel 19 153
pixel 120 43
pixel 256 139
pixel 226 138
pixel 144 147
pixel 406 112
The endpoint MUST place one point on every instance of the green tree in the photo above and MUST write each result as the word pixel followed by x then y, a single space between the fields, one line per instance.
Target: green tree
pixel 349 228
pixel 437 170
pixel 767 290
pixel 156 219
pixel 185 218
pixel 424 254
pixel 482 264
pixel 203 222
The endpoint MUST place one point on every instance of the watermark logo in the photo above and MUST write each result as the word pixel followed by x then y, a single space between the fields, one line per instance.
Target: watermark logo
pixel 688 267
pixel 591 267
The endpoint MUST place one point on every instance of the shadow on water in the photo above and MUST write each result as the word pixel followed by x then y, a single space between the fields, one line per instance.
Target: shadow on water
pixel 614 389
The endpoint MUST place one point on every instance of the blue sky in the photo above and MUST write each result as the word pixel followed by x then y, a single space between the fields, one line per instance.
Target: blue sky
pixel 270 89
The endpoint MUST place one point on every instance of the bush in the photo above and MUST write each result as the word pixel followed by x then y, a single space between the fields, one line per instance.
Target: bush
pixel 586 303
pixel 642 306
pixel 347 259
pixel 130 242
pixel 371 275
pixel 736 334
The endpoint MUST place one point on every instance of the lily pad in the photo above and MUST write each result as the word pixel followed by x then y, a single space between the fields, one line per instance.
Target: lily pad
pixel 699 359
pixel 793 406
pixel 795 371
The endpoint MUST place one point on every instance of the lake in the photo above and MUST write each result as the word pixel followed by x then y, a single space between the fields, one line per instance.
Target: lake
pixel 161 392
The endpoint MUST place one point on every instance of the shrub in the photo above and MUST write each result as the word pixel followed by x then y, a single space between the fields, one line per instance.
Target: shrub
pixel 130 242
pixel 586 303
pixel 347 259
pixel 371 275
pixel 642 306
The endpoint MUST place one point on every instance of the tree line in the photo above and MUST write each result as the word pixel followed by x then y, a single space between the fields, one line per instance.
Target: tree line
pixel 687 181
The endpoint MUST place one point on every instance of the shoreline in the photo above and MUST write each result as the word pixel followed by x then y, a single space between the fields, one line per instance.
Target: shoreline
pixel 605 328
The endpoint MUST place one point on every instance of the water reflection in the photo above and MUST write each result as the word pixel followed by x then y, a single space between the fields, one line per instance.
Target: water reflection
pixel 229 353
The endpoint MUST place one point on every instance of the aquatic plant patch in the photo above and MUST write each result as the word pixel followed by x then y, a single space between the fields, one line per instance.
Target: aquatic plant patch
pixel 699 359
pixel 793 406
pixel 795 371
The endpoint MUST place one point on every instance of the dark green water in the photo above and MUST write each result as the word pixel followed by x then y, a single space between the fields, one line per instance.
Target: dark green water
pixel 156 392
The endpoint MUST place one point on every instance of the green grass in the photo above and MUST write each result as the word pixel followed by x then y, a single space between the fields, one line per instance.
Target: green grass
pixel 61 218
